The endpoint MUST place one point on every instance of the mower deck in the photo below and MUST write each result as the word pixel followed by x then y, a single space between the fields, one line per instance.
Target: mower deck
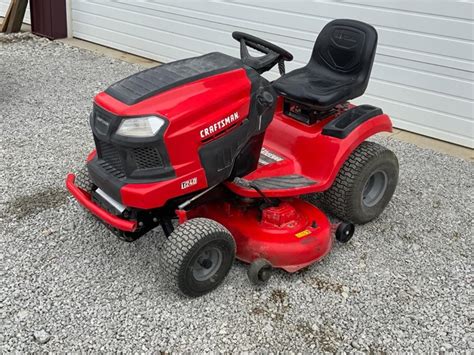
pixel 289 236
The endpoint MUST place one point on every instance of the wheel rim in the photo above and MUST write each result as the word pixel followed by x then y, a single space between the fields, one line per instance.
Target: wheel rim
pixel 348 232
pixel 207 263
pixel 264 274
pixel 374 188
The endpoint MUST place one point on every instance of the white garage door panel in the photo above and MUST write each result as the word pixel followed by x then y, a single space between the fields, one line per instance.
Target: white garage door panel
pixel 269 21
pixel 422 98
pixel 131 43
pixel 284 36
pixel 144 26
pixel 4 7
pixel 424 80
pixel 429 117
pixel 427 67
pixel 433 122
pixel 462 10
pixel 153 22
pixel 280 12
pixel 274 32
pixel 423 74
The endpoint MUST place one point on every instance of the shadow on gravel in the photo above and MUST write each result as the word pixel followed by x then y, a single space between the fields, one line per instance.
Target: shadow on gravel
pixel 23 206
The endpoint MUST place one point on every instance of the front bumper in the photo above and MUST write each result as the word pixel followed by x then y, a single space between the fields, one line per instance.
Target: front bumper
pixel 85 200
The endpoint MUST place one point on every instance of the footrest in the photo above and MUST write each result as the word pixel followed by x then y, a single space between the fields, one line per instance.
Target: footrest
pixel 284 182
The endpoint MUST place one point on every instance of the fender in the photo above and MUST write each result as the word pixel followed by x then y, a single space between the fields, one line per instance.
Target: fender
pixel 345 146
pixel 308 152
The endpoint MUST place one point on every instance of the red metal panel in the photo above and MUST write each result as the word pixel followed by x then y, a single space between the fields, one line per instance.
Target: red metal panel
pixel 293 245
pixel 48 18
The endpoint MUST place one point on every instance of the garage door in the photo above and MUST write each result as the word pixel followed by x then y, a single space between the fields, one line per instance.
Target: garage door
pixel 4 7
pixel 423 75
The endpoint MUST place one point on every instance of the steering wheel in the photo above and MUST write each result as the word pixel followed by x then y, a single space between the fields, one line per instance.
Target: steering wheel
pixel 272 53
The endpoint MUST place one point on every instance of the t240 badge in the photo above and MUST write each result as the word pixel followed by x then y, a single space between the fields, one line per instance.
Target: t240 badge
pixel 188 183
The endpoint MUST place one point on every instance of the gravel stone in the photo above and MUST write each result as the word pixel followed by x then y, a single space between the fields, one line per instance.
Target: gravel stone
pixel 408 275
pixel 41 336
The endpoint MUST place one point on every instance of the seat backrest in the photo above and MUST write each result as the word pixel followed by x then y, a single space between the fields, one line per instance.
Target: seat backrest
pixel 347 48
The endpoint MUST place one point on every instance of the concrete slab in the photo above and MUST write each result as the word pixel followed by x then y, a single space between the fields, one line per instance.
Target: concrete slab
pixel 431 143
pixel 435 144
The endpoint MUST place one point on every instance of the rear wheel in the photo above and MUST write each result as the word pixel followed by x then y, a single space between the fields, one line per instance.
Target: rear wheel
pixel 364 185
pixel 197 256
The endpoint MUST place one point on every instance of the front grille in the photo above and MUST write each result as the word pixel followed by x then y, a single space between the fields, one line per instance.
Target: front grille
pixel 147 158
pixel 110 159
pixel 112 162
pixel 122 159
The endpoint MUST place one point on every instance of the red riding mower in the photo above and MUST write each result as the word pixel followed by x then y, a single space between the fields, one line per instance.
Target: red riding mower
pixel 210 142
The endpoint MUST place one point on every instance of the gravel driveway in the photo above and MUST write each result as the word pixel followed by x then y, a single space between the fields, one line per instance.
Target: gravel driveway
pixel 404 283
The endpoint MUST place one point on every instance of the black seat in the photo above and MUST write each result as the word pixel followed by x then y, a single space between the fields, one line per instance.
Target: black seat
pixel 339 68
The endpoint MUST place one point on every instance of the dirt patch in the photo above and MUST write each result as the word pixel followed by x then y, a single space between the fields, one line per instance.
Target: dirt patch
pixel 23 206
pixel 407 237
pixel 278 296
pixel 325 285
pixel 325 335
pixel 258 311
pixel 276 306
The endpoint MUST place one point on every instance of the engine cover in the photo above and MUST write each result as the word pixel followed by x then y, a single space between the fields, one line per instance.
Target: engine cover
pixel 214 118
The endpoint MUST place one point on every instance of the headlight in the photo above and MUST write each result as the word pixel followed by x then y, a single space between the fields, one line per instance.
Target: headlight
pixel 140 126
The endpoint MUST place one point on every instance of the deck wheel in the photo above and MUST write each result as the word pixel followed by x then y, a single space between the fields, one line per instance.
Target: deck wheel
pixel 344 232
pixel 259 272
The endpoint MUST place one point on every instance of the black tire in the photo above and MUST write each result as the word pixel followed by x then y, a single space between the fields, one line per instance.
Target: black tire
pixel 348 198
pixel 197 256
pixel 344 232
pixel 83 180
pixel 259 272
pixel 128 237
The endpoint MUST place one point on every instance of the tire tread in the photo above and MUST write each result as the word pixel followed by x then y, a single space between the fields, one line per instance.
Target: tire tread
pixel 182 240
pixel 337 199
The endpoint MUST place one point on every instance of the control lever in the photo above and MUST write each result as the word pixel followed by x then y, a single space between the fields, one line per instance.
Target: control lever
pixel 265 100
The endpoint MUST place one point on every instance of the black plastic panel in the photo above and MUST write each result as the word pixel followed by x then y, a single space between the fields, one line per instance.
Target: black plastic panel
pixel 236 152
pixel 150 82
pixel 349 120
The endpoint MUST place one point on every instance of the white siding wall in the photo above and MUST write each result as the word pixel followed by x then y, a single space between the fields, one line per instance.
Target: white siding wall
pixel 423 74
pixel 4 7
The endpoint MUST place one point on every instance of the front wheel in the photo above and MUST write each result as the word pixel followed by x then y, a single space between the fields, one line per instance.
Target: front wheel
pixel 364 185
pixel 197 256
pixel 128 237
